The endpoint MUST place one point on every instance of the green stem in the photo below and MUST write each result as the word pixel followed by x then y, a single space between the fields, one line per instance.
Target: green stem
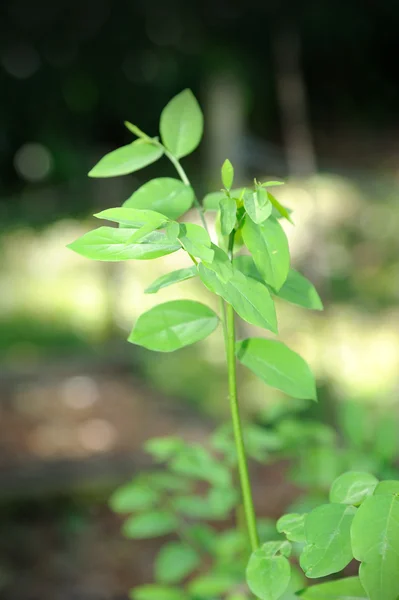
pixel 245 482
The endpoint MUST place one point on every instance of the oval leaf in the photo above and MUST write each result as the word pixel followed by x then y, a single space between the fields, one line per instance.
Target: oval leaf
pixel 343 589
pixel 268 572
pixel 375 543
pixel 227 174
pixel 173 325
pixel 111 244
pixel 196 241
pixel 300 291
pixel 293 526
pixel 328 541
pixel 211 201
pixel 182 124
pixel 127 159
pixel 174 562
pixel 133 496
pixel 387 487
pixel 171 278
pixel 352 487
pixel 268 245
pixel 257 205
pixel 165 195
pixel 228 209
pixel 278 366
pixel 149 525
pixel 132 217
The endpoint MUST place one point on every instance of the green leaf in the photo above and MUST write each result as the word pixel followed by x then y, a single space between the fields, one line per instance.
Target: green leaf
pixel 168 196
pixel 278 366
pixel 127 159
pixel 182 124
pixel 132 217
pixel 171 278
pixel 352 487
pixel 172 230
pixel 211 201
pixel 249 298
pixel 209 586
pixel 196 241
pixel 300 291
pixel 157 592
pixel 272 183
pixel 173 325
pixel 258 205
pixel 375 543
pixel 217 504
pixel 387 487
pixel 342 589
pixel 227 174
pixel 169 482
pixel 174 562
pixel 111 244
pixel 228 209
pixel 268 571
pixel 281 210
pixel 293 526
pixel 133 496
pixel 149 525
pixel 268 245
pixel 386 437
pixel 328 542
pixel 196 462
pixel 163 448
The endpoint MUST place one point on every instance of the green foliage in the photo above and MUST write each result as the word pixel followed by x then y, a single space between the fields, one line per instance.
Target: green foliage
pixel 228 210
pixel 175 561
pixel 227 174
pixel 150 524
pixel 257 205
pixel 166 195
pixel 181 124
pixel 268 571
pixel 293 526
pixel 352 488
pixel 171 278
pixel 127 159
pixel 343 589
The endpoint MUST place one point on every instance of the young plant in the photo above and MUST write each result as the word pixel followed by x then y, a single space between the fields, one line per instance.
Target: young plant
pixel 247 269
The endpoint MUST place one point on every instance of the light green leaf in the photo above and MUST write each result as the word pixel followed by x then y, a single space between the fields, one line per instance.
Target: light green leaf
pixel 182 124
pixel 268 245
pixel 157 592
pixel 272 183
pixel 249 298
pixel 163 448
pixel 227 174
pixel 133 496
pixel 149 525
pixel 257 205
pixel 278 366
pixel 375 543
pixel 173 325
pixel 196 241
pixel 268 571
pixel 387 487
pixel 281 210
pixel 228 209
pixel 171 278
pixel 196 462
pixel 211 586
pixel 342 589
pixel 386 437
pixel 172 230
pixel 132 217
pixel 111 244
pixel 169 482
pixel 175 561
pixel 127 159
pixel 300 291
pixel 217 504
pixel 211 201
pixel 293 526
pixel 168 196
pixel 352 487
pixel 328 542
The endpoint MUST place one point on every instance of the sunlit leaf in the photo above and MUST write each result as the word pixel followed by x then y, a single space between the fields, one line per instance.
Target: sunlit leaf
pixel 227 174
pixel 328 541
pixel 111 244
pixel 278 366
pixel 257 205
pixel 300 291
pixel 196 241
pixel 171 278
pixel 132 217
pixel 168 196
pixel 281 210
pixel 181 124
pixel 228 209
pixel 127 159
pixel 342 589
pixel 268 572
pixel 352 487
pixel 211 201
pixel 293 526
pixel 387 487
pixel 173 325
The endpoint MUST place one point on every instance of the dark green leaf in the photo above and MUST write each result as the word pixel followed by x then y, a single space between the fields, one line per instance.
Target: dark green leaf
pixel 127 159
pixel 111 244
pixel 278 366
pixel 227 174
pixel 171 278
pixel 375 543
pixel 181 124
pixel 157 592
pixel 328 542
pixel 175 561
pixel 269 248
pixel 268 571
pixel 196 241
pixel 293 526
pixel 173 325
pixel 352 487
pixel 166 195
pixel 149 525
pixel 343 589
pixel 258 205
pixel 228 209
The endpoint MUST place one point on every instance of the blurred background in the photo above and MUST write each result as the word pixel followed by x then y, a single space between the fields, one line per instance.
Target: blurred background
pixel 304 91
